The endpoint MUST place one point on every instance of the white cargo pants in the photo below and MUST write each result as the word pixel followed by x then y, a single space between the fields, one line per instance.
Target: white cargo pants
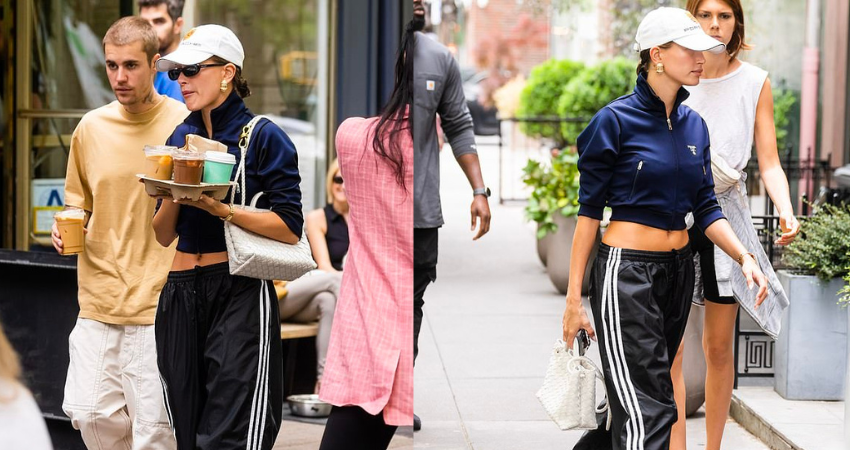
pixel 113 392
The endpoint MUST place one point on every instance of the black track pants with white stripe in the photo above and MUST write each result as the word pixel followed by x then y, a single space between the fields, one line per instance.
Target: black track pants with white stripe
pixel 219 355
pixel 640 302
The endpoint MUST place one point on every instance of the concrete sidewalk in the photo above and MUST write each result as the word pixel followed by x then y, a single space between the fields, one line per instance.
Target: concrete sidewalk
pixel 306 434
pixel 490 322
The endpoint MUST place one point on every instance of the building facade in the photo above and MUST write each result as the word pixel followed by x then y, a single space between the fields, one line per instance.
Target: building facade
pixel 301 57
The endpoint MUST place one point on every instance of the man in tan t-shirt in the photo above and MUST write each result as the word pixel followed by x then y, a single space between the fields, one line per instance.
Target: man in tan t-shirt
pixel 113 393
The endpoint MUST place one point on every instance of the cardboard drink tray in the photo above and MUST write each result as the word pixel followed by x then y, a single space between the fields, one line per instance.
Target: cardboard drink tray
pixel 185 191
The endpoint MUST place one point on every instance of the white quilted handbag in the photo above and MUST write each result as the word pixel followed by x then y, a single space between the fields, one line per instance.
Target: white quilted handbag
pixel 569 390
pixel 255 256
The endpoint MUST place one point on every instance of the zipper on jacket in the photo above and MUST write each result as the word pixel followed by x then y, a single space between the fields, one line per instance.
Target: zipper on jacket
pixel 634 183
pixel 676 155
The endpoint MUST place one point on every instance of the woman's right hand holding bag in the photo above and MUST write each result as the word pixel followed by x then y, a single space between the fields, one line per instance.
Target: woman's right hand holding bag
pixel 575 319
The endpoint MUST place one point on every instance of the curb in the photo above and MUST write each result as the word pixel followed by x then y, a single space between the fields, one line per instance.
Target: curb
pixel 759 427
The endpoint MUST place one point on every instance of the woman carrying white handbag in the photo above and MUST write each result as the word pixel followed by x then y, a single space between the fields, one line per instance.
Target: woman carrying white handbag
pixel 217 334
pixel 646 156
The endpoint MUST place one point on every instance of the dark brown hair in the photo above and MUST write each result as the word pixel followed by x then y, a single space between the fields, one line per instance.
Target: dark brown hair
pixel 128 30
pixel 646 60
pixel 175 7
pixel 737 42
pixel 239 83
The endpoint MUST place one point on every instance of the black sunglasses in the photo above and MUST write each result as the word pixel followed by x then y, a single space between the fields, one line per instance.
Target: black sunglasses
pixel 190 70
pixel 337 179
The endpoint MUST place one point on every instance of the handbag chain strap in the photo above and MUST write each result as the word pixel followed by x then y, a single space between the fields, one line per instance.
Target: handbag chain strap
pixel 244 141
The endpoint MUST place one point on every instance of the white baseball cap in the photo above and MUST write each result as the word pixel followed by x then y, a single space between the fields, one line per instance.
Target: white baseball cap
pixel 677 25
pixel 200 44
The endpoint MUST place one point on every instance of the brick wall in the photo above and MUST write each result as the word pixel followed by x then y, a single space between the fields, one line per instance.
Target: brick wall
pixel 515 26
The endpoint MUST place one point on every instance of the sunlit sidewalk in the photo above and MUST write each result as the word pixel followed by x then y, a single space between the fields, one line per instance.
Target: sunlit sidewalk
pixel 307 435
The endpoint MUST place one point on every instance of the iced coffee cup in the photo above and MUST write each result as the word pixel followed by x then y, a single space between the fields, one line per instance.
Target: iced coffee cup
pixel 188 167
pixel 158 162
pixel 218 167
pixel 70 225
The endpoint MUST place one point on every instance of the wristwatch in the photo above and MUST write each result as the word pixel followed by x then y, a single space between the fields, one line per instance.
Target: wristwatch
pixel 485 191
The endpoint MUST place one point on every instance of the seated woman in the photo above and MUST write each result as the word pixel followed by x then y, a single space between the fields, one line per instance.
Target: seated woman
pixel 313 296
pixel 21 423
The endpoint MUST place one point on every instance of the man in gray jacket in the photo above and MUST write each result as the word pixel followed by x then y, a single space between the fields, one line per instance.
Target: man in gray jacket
pixel 438 90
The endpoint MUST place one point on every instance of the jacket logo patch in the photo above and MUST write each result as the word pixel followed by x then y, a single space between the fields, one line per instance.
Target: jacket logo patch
pixel 693 149
pixel 430 85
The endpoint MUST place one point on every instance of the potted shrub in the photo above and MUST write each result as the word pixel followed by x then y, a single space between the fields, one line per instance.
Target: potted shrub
pixel 592 89
pixel 539 98
pixel 811 352
pixel 553 205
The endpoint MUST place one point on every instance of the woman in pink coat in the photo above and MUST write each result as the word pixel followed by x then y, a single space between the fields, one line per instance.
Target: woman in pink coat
pixel 369 371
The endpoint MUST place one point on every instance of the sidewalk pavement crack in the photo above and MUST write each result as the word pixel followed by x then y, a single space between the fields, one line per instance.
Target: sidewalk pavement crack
pixel 451 388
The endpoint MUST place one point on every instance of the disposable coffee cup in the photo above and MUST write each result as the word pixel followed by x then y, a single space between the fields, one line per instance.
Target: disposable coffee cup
pixel 158 161
pixel 188 167
pixel 70 225
pixel 218 166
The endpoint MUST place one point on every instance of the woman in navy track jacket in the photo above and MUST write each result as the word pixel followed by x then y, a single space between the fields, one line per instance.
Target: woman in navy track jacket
pixel 646 156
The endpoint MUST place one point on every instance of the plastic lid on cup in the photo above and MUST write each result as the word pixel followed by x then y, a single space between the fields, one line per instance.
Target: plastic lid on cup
pixel 69 214
pixel 222 157
pixel 159 150
pixel 187 154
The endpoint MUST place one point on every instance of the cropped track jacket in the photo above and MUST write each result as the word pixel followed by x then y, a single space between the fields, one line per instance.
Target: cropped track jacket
pixel 650 169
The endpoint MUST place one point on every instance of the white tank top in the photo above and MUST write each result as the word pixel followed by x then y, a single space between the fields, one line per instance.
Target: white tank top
pixel 728 106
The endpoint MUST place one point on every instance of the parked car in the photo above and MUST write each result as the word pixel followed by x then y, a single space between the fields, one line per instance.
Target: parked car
pixel 485 121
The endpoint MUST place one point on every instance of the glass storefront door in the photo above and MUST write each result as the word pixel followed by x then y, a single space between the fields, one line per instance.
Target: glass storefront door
pixel 59 76
pixel 286 54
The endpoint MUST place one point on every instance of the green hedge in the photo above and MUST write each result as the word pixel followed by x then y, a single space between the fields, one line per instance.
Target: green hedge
pixel 592 89
pixel 540 97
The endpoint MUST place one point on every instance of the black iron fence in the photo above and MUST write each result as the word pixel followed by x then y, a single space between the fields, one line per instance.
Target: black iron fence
pixel 527 137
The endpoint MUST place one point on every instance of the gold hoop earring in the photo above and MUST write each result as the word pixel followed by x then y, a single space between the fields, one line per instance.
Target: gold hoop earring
pixel 223 85
pixel 659 68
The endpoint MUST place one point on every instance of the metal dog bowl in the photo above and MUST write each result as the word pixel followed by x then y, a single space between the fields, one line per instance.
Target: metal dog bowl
pixel 308 406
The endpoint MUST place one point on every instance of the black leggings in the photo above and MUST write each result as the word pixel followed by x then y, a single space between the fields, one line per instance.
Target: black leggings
pixel 424 273
pixel 352 428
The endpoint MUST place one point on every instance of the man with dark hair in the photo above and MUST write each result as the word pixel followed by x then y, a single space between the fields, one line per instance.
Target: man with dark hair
pixel 438 90
pixel 113 393
pixel 166 18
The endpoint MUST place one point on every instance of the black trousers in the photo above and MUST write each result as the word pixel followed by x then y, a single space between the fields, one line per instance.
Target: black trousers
pixel 424 273
pixel 219 355
pixel 352 428
pixel 640 302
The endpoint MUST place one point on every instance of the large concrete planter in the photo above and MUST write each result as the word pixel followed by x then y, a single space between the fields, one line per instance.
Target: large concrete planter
pixel 558 254
pixel 693 360
pixel 543 245
pixel 811 352
pixel 847 386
